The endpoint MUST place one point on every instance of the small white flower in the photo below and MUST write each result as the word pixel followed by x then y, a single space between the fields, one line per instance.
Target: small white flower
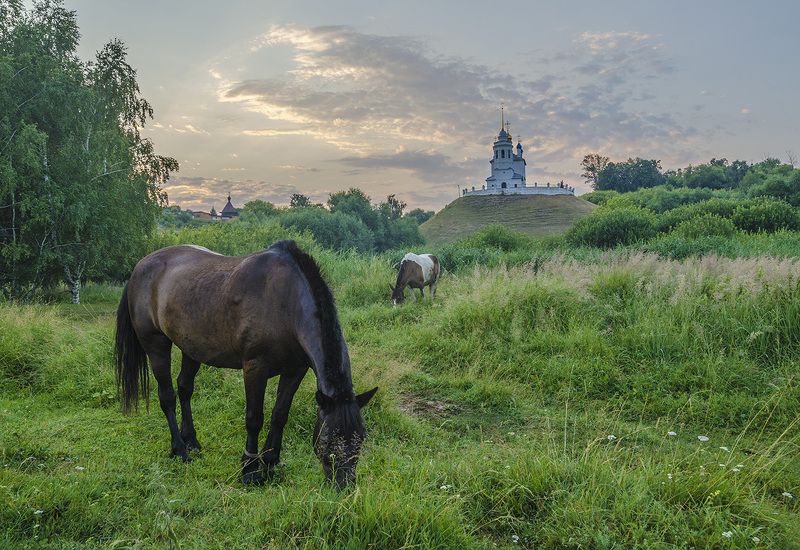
pixel 611 437
pixel 756 540
pixel 36 526
pixel 511 433
pixel 702 438
pixel 727 534
pixel 669 477
pixel 721 465
pixel 740 465
pixel 80 468
pixel 515 539
pixel 445 487
pixel 671 434
pixel 734 469
pixel 787 494
pixel 727 450
pixel 40 512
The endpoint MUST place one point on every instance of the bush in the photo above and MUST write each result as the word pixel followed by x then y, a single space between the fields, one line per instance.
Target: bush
pixel 608 228
pixel 678 247
pixel 768 215
pixel 722 207
pixel 233 238
pixel 707 225
pixel 497 237
pixel 334 230
pixel 600 197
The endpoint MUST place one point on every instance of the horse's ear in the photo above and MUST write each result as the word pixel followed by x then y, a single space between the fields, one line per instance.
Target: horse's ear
pixel 324 402
pixel 364 398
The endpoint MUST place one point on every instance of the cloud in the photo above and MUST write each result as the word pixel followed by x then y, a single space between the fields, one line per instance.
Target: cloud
pixel 430 166
pixel 391 102
pixel 199 193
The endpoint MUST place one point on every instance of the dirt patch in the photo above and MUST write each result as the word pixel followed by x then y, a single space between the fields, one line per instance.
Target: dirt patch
pixel 423 406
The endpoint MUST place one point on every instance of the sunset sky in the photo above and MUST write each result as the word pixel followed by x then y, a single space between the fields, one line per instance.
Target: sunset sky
pixel 266 99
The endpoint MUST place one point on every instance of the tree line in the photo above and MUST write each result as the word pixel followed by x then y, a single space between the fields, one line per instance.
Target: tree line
pixel 347 221
pixel 770 177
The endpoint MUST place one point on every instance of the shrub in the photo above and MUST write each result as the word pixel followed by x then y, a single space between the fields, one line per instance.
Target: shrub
pixel 334 230
pixel 497 237
pixel 705 226
pixel 233 238
pixel 768 215
pixel 722 207
pixel 600 197
pixel 677 247
pixel 608 228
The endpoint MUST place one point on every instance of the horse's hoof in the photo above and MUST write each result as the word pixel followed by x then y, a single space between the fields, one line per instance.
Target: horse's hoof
pixel 183 455
pixel 253 478
pixel 193 445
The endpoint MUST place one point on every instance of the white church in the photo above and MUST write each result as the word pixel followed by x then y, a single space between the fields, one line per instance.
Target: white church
pixel 508 171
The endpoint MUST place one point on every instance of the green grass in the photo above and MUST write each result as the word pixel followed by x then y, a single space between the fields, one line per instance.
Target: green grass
pixel 493 420
pixel 530 214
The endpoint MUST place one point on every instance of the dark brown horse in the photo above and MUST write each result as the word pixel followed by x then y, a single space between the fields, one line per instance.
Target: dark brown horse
pixel 268 314
pixel 416 271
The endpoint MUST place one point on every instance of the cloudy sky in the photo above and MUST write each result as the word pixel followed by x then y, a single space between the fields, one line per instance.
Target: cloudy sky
pixel 265 99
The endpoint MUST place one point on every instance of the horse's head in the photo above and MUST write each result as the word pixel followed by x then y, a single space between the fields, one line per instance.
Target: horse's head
pixel 339 434
pixel 397 295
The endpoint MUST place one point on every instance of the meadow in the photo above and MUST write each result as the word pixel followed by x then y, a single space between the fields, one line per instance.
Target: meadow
pixel 548 398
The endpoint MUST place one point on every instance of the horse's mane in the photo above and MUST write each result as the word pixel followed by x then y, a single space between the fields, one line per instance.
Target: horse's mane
pixel 329 320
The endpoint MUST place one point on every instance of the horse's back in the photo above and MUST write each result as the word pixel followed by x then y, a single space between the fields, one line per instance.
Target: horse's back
pixel 212 307
pixel 428 263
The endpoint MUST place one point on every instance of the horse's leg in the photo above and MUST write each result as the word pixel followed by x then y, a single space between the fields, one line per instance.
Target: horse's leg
pixel 422 292
pixel 189 368
pixel 413 294
pixel 287 387
pixel 255 383
pixel 432 292
pixel 160 363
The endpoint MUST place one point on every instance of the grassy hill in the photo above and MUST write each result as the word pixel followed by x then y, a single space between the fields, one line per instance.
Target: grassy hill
pixel 531 214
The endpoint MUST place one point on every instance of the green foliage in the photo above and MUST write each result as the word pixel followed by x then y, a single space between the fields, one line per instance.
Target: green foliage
pixel 79 185
pixel 257 210
pixel 606 228
pixel 173 216
pixel 707 225
pixel 599 197
pixel 721 207
pixel 497 237
pixel 334 230
pixel 237 238
pixel 630 175
pixel 420 215
pixel 767 215
pixel 491 427
pixel 299 201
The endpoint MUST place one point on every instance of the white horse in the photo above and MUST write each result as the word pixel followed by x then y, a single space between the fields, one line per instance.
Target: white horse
pixel 416 271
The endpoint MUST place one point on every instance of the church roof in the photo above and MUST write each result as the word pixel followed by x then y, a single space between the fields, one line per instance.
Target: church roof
pixel 502 135
pixel 229 209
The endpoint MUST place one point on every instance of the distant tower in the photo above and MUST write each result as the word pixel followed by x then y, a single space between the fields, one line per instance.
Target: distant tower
pixel 508 169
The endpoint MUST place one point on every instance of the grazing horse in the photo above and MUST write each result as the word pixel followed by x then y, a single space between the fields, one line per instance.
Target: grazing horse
pixel 269 314
pixel 416 271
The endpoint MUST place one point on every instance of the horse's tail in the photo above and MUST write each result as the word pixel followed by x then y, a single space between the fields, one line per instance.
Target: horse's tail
pixel 130 360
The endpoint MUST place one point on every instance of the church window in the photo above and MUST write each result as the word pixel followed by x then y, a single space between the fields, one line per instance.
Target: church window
pixel 503 153
pixel 504 185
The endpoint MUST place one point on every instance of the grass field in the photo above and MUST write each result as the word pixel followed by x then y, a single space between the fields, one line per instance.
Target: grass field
pixel 623 402
pixel 531 214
